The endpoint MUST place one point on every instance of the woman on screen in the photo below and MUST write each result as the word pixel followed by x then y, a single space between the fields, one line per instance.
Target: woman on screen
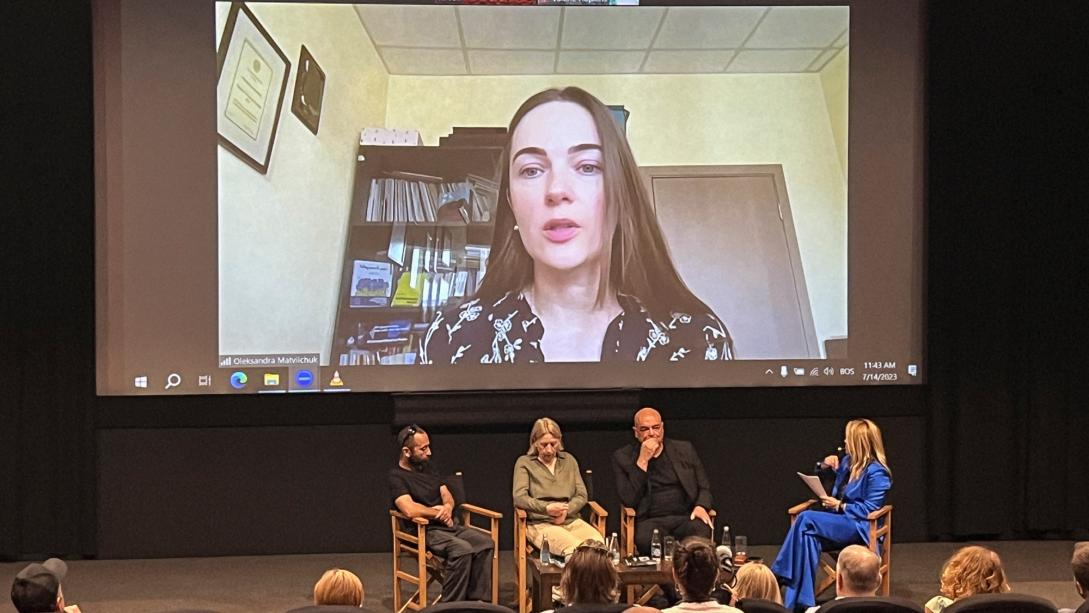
pixel 863 480
pixel 548 486
pixel 579 270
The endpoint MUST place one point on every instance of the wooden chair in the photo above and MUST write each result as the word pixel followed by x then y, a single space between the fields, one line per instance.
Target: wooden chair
pixel 880 532
pixel 627 548
pixel 523 547
pixel 423 567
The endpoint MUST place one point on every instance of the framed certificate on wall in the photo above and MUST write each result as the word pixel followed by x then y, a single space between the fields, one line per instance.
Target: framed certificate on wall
pixel 252 79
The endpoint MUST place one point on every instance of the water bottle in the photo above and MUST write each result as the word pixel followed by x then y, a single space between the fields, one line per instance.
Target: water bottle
pixel 614 549
pixel 725 550
pixel 546 555
pixel 656 545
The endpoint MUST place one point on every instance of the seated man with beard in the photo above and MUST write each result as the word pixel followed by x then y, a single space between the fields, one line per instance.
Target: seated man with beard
pixel 417 490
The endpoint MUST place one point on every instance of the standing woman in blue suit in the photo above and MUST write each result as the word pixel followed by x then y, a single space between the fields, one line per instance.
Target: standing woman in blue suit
pixel 863 480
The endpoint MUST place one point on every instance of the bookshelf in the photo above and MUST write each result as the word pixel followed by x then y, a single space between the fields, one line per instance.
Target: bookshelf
pixel 419 233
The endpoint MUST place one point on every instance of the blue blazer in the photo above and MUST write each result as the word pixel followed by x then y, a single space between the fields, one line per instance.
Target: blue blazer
pixel 863 495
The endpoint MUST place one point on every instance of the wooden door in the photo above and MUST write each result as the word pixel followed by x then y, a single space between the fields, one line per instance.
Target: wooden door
pixel 732 239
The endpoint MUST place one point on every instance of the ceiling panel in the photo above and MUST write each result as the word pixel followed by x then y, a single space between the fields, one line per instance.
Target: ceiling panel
pixel 777 60
pixel 492 62
pixel 687 62
pixel 437 40
pixel 602 27
pixel 510 27
pixel 600 62
pixel 402 60
pixel 787 27
pixel 708 27
pixel 410 26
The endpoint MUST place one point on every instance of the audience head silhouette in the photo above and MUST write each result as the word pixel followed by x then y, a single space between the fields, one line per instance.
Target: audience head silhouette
pixel 1080 565
pixel 589 576
pixel 756 581
pixel 38 587
pixel 695 567
pixel 973 570
pixel 338 587
pixel 858 572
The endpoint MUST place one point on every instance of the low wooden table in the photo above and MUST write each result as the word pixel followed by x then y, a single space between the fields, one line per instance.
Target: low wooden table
pixel 545 577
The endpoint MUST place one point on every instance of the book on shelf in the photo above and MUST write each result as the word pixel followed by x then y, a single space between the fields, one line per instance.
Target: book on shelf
pixel 420 199
pixel 371 284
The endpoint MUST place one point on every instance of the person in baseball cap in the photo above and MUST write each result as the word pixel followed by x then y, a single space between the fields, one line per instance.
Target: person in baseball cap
pixel 37 588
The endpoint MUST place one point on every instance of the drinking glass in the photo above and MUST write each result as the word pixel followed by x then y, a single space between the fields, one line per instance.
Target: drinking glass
pixel 741 548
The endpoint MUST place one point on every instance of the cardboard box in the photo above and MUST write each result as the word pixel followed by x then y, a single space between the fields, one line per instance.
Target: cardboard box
pixel 390 136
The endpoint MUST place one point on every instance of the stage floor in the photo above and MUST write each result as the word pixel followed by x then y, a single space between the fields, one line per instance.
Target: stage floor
pixel 279 583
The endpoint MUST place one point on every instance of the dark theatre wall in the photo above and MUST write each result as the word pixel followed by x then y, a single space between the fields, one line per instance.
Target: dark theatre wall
pixel 995 444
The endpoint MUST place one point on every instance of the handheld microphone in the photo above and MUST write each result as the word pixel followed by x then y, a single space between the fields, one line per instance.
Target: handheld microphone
pixel 822 465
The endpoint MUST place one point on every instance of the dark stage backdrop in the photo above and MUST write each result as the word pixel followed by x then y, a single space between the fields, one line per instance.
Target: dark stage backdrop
pixel 995 443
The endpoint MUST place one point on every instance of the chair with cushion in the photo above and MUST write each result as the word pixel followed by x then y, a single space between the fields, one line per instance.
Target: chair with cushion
pixel 1001 603
pixel 414 564
pixel 880 542
pixel 523 547
pixel 757 605
pixel 890 604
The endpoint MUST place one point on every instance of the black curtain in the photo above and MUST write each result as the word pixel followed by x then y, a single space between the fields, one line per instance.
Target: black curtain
pixel 1009 437
pixel 47 394
pixel 1007 443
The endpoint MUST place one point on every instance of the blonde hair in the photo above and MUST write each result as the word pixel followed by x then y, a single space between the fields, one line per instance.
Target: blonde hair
pixel 973 570
pixel 755 580
pixel 339 586
pixel 864 445
pixel 541 427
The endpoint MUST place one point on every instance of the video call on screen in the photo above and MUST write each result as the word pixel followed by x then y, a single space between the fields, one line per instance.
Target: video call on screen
pixel 328 197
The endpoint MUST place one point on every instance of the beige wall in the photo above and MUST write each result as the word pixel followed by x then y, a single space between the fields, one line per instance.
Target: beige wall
pixel 834 79
pixel 681 119
pixel 281 235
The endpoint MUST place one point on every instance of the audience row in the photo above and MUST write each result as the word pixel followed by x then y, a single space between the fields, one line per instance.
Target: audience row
pixel 591 583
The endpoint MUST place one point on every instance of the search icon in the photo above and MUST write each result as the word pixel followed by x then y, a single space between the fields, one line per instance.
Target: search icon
pixel 173 380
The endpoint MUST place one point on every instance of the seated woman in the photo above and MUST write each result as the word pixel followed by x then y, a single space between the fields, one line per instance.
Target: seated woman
pixel 579 270
pixel 972 570
pixel 339 587
pixel 863 480
pixel 695 571
pixel 590 583
pixel 755 582
pixel 548 486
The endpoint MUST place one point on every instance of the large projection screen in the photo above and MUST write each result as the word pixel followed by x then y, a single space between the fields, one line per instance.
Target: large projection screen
pixel 308 197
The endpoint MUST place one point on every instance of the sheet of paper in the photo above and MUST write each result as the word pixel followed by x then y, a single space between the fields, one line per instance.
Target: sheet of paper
pixel 814 484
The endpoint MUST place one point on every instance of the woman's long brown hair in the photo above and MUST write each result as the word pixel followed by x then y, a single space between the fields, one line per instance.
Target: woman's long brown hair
pixel 640 264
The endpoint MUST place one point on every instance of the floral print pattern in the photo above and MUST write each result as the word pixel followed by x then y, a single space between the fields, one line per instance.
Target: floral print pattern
pixel 508 332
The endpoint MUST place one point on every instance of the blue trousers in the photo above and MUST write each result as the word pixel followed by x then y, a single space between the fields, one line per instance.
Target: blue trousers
pixel 798 559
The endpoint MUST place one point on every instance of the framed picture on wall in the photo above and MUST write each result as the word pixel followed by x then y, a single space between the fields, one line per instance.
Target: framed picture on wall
pixel 252 80
pixel 309 90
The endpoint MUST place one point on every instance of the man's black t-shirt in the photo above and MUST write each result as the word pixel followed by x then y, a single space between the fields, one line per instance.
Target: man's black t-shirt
pixel 667 496
pixel 423 487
